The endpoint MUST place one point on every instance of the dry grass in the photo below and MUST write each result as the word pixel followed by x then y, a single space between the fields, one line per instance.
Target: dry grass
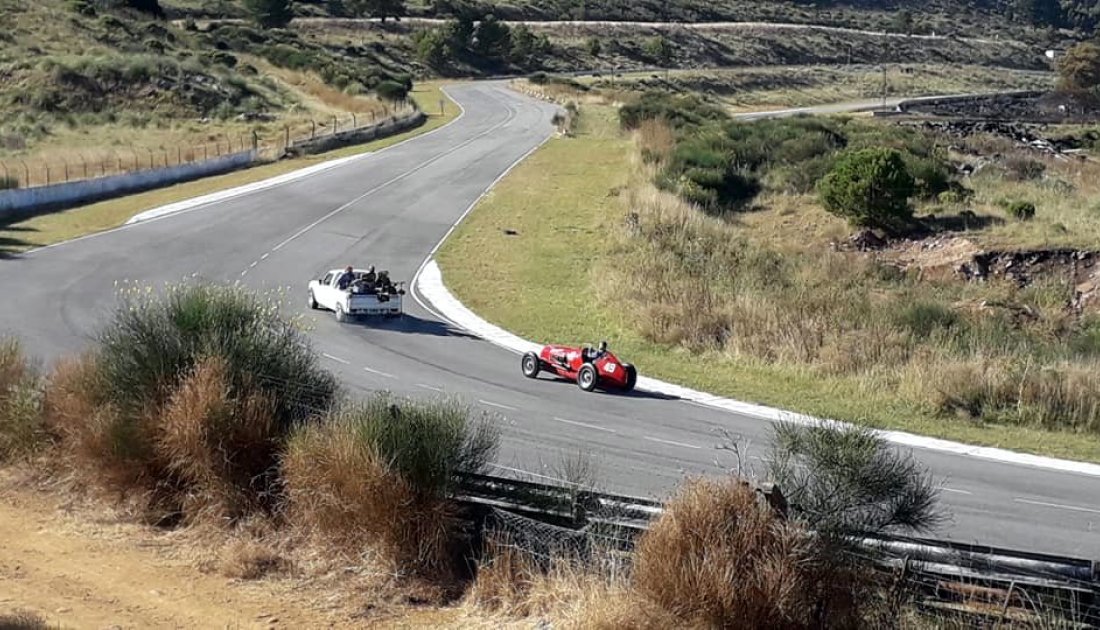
pixel 251 560
pixel 21 430
pixel 339 487
pixel 720 557
pixel 23 620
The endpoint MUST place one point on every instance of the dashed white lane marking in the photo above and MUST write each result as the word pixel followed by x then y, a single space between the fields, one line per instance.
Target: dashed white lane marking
pixel 671 443
pixel 1058 506
pixel 957 491
pixel 585 425
pixel 245 272
pixel 429 387
pixel 336 359
pixel 373 371
pixel 498 405
pixel 264 257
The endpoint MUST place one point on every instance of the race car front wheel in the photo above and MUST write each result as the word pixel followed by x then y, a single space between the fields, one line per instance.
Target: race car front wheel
pixel 530 365
pixel 586 378
pixel 631 377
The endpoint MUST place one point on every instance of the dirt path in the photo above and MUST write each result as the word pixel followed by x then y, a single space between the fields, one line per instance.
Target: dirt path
pixel 81 574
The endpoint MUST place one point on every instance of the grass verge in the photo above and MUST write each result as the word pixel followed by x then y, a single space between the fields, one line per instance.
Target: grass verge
pixel 48 229
pixel 506 278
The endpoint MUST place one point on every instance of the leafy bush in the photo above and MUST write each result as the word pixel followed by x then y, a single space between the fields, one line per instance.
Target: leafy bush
pixel 1021 210
pixel 680 111
pixel 189 396
pixel 1079 67
pixel 869 187
pixel 392 91
pixel 380 475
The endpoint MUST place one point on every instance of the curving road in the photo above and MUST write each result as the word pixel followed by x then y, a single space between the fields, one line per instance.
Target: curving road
pixel 391 208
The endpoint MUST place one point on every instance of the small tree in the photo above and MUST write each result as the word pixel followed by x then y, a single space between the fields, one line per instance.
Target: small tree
pixel 661 50
pixel 595 47
pixel 377 8
pixel 270 13
pixel 1079 69
pixel 493 38
pixel 903 21
pixel 523 45
pixel 391 91
pixel 847 482
pixel 432 49
pixel 870 188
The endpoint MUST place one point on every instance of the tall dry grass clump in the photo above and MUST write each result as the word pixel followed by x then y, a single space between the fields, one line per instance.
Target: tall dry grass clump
pixel 719 557
pixel 188 400
pixel 21 428
pixel 380 477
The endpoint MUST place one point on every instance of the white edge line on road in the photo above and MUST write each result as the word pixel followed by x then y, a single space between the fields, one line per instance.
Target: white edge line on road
pixel 431 388
pixel 671 443
pixel 383 374
pixel 196 203
pixel 1058 506
pixel 497 405
pixel 585 425
pixel 528 472
pixel 957 491
pixel 336 359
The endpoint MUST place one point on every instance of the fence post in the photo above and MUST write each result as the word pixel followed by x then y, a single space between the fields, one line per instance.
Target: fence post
pixel 286 142
pixel 255 140
pixel 47 174
pixel 313 131
pixel 179 155
pixel 205 152
pixel 165 158
pixel 335 124
pixel 150 152
pixel 66 167
pixel 354 124
pixel 26 174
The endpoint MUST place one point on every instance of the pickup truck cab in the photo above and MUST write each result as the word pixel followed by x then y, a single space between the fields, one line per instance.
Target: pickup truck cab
pixel 367 293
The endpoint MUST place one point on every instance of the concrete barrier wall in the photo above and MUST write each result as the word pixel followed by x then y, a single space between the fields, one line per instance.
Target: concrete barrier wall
pixel 383 129
pixel 28 201
pixel 23 201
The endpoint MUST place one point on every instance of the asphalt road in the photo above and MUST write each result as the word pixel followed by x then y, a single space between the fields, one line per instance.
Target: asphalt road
pixel 390 209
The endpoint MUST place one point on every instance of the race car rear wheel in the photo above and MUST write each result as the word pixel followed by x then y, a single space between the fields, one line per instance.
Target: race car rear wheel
pixel 341 316
pixel 587 378
pixel 631 377
pixel 530 365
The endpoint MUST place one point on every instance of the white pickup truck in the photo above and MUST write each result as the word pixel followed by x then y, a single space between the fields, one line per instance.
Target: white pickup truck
pixel 364 293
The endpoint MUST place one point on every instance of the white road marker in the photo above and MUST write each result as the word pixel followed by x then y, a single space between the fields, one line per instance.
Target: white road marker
pixel 254 263
pixel 671 443
pixel 336 359
pixel 498 405
pixel 264 257
pixel 372 371
pixel 244 273
pixel 585 425
pixel 1058 506
pixel 434 389
pixel 957 491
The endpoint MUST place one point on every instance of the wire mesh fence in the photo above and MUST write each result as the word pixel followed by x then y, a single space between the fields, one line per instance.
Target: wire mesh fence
pixel 31 172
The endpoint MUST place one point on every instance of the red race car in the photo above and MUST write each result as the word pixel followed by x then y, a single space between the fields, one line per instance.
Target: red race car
pixel 589 367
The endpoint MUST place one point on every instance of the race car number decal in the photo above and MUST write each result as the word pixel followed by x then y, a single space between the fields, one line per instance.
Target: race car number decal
pixel 609 368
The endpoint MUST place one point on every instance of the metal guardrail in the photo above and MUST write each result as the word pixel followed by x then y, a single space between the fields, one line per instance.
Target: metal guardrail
pixel 956 577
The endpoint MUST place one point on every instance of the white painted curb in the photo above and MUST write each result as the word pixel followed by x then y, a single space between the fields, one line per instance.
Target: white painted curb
pixel 245 189
pixel 429 285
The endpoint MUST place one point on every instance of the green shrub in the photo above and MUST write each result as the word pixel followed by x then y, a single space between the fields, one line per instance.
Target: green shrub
pixel 270 13
pixel 931 175
pixel 1023 169
pixel 922 319
pixel 1021 210
pixel 391 91
pixel 679 111
pixel 153 341
pixel 869 187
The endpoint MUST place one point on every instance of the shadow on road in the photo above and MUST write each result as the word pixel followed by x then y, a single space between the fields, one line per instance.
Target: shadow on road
pixel 638 394
pixel 10 244
pixel 410 324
